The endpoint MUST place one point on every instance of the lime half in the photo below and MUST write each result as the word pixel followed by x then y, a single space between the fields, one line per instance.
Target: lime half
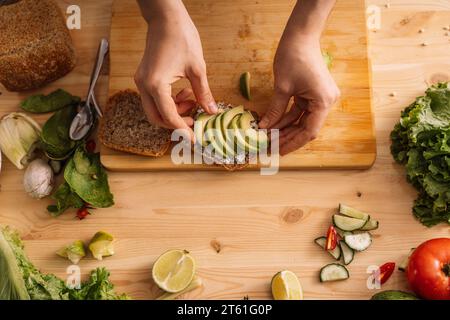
pixel 286 286
pixel 174 270
pixel 101 245
pixel 74 251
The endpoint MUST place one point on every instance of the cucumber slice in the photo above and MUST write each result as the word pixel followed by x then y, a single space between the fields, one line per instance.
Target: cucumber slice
pixel 333 272
pixel 342 233
pixel 336 252
pixel 352 212
pixel 347 223
pixel 370 225
pixel 347 253
pixel 359 241
pixel 404 264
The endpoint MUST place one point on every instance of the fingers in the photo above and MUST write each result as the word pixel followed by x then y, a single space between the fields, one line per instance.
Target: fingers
pixel 201 89
pixel 151 111
pixel 296 112
pixel 168 109
pixel 184 104
pixel 307 130
pixel 276 111
pixel 183 95
pixel 185 107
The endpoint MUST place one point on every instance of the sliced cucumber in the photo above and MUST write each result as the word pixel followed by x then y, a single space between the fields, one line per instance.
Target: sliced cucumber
pixel 347 223
pixel 370 225
pixel 333 272
pixel 336 252
pixel 347 253
pixel 342 233
pixel 404 264
pixel 358 241
pixel 352 212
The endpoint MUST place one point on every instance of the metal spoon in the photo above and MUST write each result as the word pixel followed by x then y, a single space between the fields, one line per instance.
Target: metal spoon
pixel 84 120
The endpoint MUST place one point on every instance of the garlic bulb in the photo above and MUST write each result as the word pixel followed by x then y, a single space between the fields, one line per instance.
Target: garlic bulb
pixel 19 135
pixel 38 179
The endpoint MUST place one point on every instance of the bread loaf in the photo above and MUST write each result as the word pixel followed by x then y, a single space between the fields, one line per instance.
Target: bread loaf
pixel 35 45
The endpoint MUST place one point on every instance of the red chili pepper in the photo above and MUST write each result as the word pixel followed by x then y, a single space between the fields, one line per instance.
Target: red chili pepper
pixel 90 146
pixel 386 271
pixel 331 242
pixel 82 213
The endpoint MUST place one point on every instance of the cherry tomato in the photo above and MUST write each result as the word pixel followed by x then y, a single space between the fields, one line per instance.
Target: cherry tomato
pixel 90 146
pixel 428 270
pixel 82 213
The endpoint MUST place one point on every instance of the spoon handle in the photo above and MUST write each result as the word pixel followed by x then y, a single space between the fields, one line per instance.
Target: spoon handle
pixel 101 54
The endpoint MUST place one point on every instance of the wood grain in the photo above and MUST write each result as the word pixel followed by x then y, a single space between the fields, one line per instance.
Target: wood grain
pixel 261 224
pixel 242 36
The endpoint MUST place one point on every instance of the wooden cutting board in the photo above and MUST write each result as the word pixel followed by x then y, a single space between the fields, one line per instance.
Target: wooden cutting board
pixel 241 36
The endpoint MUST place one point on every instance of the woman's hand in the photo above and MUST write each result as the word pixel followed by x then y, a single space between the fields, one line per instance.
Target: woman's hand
pixel 173 51
pixel 301 72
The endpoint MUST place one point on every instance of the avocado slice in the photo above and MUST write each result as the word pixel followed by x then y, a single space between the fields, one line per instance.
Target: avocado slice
pixel 253 137
pixel 228 117
pixel 240 134
pixel 211 134
pixel 221 138
pixel 200 127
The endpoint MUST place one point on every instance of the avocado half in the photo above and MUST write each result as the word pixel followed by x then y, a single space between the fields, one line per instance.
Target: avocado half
pixel 230 136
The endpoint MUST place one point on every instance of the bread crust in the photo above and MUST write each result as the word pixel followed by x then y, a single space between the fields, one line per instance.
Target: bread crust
pixel 113 101
pixel 35 45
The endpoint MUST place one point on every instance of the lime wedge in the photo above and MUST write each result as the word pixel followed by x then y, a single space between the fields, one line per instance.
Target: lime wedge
pixel 101 245
pixel 74 251
pixel 244 85
pixel 286 286
pixel 174 270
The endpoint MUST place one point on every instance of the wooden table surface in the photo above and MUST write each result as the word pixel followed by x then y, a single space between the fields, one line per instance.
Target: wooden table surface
pixel 243 228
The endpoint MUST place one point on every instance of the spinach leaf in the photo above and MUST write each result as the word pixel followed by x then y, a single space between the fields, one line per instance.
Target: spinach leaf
pixel 48 103
pixel 55 139
pixel 87 178
pixel 65 199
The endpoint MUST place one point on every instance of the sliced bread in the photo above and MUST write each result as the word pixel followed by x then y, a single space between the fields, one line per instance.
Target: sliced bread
pixel 35 45
pixel 125 127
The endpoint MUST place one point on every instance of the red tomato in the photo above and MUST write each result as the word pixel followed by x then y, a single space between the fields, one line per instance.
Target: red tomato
pixel 428 270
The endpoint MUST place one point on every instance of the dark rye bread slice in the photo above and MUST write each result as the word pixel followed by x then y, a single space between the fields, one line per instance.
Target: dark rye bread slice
pixel 125 127
pixel 35 45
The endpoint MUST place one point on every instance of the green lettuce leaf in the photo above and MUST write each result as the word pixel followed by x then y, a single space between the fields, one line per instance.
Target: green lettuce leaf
pixel 98 287
pixel 421 142
pixel 21 280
